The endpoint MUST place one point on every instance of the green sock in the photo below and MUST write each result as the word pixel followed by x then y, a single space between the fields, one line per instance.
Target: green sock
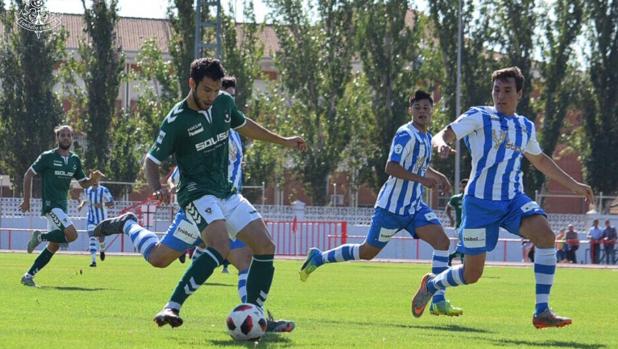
pixel 197 273
pixel 54 236
pixel 260 278
pixel 40 261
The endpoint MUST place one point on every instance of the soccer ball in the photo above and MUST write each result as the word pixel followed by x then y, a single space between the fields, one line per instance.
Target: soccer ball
pixel 246 322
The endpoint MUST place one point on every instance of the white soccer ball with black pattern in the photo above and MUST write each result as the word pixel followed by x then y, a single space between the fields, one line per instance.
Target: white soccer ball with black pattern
pixel 246 322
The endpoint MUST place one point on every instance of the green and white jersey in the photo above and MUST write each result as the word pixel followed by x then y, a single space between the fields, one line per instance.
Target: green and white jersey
pixel 199 141
pixel 456 202
pixel 56 173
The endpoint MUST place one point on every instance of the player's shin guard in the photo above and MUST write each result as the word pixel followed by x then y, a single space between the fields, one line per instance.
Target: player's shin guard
pixel 544 271
pixel 54 236
pixel 452 277
pixel 242 285
pixel 143 239
pixel 439 263
pixel 41 261
pixel 260 277
pixel 347 252
pixel 197 273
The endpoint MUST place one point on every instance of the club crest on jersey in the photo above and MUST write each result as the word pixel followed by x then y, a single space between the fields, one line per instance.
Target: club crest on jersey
pixel 398 149
pixel 227 119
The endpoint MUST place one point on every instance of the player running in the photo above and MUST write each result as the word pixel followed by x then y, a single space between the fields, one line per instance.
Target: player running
pixel 498 138
pixel 98 198
pixel 56 167
pixel 400 203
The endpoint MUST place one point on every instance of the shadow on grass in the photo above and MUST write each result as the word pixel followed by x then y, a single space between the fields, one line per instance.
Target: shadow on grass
pixel 219 284
pixel 447 328
pixel 550 343
pixel 265 342
pixel 74 288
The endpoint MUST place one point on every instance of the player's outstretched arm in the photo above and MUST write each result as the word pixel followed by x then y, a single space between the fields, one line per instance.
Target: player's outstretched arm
pixel 253 130
pixel 548 167
pixel 394 169
pixel 95 176
pixel 151 170
pixel 442 140
pixel 25 204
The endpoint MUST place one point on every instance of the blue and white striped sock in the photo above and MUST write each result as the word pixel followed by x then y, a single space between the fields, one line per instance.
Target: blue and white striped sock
pixel 92 247
pixel 242 285
pixel 451 277
pixel 198 251
pixel 143 239
pixel 544 271
pixel 347 252
pixel 439 263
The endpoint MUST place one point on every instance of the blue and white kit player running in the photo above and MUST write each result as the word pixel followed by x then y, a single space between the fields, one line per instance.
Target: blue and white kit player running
pixel 498 138
pixel 99 199
pixel 399 205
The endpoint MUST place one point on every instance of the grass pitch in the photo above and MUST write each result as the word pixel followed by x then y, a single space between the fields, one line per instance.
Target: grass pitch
pixel 361 305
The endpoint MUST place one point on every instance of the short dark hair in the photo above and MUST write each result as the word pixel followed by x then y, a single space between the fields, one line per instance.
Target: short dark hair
pixel 510 72
pixel 228 81
pixel 420 95
pixel 206 67
pixel 464 181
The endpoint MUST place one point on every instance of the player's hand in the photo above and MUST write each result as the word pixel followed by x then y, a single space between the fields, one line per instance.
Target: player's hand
pixel 296 142
pixel 96 175
pixel 162 195
pixel 428 182
pixel 586 191
pixel 444 150
pixel 25 206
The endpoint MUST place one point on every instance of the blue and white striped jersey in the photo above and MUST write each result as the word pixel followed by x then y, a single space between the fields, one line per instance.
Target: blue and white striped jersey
pixel 497 143
pixel 411 149
pixel 97 196
pixel 234 166
pixel 236 157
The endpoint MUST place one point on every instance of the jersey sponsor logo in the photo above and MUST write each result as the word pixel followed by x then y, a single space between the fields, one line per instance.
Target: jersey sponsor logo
pixel 195 129
pixel 211 141
pixel 398 149
pixel 63 173
pixel 58 163
pixel 186 232
pixel 474 238
pixel 532 205
pixel 386 234
pixel 419 164
pixel 498 137
pixel 161 137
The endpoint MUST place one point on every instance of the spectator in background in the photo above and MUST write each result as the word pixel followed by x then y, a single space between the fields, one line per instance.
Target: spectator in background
pixel 561 246
pixel 595 235
pixel 609 242
pixel 572 244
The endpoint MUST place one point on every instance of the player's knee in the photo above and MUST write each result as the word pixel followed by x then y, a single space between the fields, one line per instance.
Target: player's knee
pixel 545 239
pixel 70 234
pixel 443 243
pixel 265 247
pixel 472 275
pixel 367 252
pixel 53 247
pixel 159 262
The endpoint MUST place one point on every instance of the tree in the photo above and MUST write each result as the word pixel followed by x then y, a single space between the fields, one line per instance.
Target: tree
pixel 601 103
pixel 388 47
pixel 29 109
pixel 182 43
pixel 104 62
pixel 559 92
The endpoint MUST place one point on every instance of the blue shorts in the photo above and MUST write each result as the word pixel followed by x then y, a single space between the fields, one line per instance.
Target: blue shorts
pixel 385 224
pixel 482 220
pixel 183 234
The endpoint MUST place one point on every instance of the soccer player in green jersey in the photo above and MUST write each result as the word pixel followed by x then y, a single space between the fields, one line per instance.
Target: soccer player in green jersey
pixel 196 132
pixel 454 203
pixel 56 167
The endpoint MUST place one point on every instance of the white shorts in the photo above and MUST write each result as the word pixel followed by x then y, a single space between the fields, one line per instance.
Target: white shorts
pixel 235 210
pixel 57 219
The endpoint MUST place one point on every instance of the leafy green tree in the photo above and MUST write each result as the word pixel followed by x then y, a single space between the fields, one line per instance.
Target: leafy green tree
pixel 29 109
pixel 601 100
pixel 315 66
pixel 104 62
pixel 387 47
pixel 182 43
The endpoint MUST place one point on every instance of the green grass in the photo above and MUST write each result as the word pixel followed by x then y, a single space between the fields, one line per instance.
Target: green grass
pixel 362 305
